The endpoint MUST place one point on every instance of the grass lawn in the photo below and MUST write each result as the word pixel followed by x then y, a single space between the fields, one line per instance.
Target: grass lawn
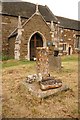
pixel 11 63
pixel 18 102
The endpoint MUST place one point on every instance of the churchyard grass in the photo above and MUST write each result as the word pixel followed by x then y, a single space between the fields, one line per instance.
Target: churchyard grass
pixel 12 62
pixel 18 102
pixel 70 58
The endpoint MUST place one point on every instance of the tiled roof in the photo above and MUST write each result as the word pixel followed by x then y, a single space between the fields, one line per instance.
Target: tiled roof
pixel 26 9
pixel 69 23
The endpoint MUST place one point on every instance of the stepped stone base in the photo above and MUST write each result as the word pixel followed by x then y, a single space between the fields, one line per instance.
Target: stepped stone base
pixel 34 89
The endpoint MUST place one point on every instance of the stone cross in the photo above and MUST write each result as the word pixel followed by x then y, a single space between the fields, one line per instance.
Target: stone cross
pixel 37 9
pixel 42 62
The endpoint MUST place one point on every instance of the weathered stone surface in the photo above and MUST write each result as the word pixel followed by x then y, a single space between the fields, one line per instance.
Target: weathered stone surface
pixel 31 78
pixel 7 28
pixel 35 24
pixel 18 40
pixel 50 84
pixel 35 90
pixel 42 61
pixel 9 23
pixel 54 63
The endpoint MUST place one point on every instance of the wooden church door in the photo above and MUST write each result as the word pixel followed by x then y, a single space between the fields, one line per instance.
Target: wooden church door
pixel 36 41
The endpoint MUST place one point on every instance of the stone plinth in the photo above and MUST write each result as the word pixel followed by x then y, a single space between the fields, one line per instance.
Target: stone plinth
pixel 35 90
pixel 42 61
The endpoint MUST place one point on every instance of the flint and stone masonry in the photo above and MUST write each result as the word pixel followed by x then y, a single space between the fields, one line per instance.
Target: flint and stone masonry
pixel 36 19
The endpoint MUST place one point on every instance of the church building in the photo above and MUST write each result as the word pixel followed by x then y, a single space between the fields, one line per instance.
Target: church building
pixel 26 26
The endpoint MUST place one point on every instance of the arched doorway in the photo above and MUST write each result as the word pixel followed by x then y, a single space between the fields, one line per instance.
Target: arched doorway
pixel 36 41
pixel 69 50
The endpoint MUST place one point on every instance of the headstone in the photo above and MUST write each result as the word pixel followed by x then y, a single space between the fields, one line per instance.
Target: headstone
pixel 45 82
pixel 54 63
pixel 54 59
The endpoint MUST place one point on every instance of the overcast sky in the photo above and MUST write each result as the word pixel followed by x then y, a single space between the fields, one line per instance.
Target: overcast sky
pixel 64 8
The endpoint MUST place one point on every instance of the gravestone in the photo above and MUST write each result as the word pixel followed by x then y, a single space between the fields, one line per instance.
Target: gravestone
pixel 42 85
pixel 47 60
pixel 43 69
pixel 54 59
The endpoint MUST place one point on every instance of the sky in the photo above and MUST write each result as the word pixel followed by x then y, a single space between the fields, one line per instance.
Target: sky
pixel 64 8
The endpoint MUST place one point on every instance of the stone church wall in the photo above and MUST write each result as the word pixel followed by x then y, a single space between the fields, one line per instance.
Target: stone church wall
pixel 33 25
pixel 67 37
pixel 9 23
